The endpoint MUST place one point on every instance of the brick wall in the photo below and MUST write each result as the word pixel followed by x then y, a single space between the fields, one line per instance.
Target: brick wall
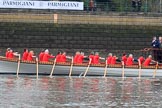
pixel 71 36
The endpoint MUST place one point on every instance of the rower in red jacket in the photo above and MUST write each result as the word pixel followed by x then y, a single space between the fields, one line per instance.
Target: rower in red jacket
pixel 148 61
pixel 77 54
pixel 130 60
pixel 91 56
pixel 81 58
pixel 30 56
pixel 109 58
pixel 64 57
pixel 113 60
pixel 41 55
pixel 141 59
pixel 124 58
pixel 58 57
pixel 96 58
pixel 47 56
pixel 11 54
pixel 7 52
pixel 25 54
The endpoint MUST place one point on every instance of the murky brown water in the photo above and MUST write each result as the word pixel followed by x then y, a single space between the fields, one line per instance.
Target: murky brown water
pixel 90 92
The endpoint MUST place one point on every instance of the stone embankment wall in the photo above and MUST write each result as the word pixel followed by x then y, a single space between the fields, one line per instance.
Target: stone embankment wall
pixel 77 32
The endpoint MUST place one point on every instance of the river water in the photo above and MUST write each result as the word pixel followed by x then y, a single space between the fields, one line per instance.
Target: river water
pixel 89 92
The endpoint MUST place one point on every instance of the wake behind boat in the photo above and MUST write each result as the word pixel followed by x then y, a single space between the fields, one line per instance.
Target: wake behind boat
pixel 9 66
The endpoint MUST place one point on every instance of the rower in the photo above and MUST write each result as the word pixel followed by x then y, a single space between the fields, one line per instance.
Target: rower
pixel 77 54
pixel 47 56
pixel 12 54
pixel 141 59
pixel 96 58
pixel 113 59
pixel 41 55
pixel 124 58
pixel 109 58
pixel 130 60
pixel 148 61
pixel 81 58
pixel 58 57
pixel 31 56
pixel 64 57
pixel 7 52
pixel 25 54
pixel 91 57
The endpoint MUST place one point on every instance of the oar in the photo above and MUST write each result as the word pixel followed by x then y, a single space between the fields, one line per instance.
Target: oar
pixel 105 72
pixel 18 66
pixel 71 67
pixel 155 70
pixel 37 67
pixel 87 68
pixel 139 72
pixel 53 67
pixel 123 70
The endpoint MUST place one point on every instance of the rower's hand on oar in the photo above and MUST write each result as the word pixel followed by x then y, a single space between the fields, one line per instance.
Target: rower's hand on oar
pixel 102 58
pixel 16 54
pixel 69 57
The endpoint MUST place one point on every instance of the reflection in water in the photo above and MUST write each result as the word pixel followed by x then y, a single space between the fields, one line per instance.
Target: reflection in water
pixel 91 92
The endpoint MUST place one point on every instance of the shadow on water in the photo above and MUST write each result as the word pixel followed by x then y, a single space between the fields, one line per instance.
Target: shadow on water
pixel 63 92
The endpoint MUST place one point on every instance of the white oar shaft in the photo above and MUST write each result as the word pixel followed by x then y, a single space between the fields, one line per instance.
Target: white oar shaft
pixel 18 67
pixel 87 68
pixel 53 67
pixel 37 67
pixel 123 70
pixel 155 70
pixel 139 73
pixel 105 72
pixel 71 67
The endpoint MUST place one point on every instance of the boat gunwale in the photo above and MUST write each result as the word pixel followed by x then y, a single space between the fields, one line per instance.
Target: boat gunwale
pixel 85 64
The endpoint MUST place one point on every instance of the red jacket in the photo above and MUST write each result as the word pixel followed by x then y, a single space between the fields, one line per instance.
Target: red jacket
pixel 30 57
pixel 41 56
pixel 96 59
pixel 113 60
pixel 63 58
pixel 10 55
pixel 124 59
pixel 141 59
pixel 147 62
pixel 76 58
pixel 92 58
pixel 109 59
pixel 46 57
pixel 25 55
pixel 129 61
pixel 7 53
pixel 80 59
pixel 58 58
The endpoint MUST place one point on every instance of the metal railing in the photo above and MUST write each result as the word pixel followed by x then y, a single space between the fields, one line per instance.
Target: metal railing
pixel 116 6
pixel 155 52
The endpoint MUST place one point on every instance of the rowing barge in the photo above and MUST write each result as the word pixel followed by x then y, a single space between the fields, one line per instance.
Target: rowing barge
pixel 9 66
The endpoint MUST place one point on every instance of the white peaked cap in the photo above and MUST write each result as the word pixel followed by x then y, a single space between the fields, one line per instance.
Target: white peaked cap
pixel 46 51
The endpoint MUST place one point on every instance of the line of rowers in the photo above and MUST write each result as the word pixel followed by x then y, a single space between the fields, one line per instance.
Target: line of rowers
pixel 79 57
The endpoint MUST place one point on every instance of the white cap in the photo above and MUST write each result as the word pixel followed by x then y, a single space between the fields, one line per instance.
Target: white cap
pixel 46 51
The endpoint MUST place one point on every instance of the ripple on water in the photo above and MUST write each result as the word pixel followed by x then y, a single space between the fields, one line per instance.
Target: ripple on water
pixel 77 92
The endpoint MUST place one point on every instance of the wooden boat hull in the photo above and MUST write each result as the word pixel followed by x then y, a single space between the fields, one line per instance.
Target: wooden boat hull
pixel 10 67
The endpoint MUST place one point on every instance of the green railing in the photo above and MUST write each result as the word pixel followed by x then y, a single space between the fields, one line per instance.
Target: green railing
pixel 107 6
pixel 154 6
